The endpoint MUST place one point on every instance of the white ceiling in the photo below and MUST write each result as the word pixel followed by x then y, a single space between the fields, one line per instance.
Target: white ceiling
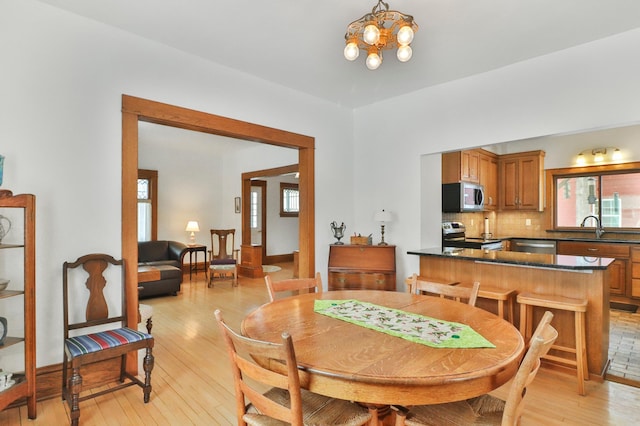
pixel 299 43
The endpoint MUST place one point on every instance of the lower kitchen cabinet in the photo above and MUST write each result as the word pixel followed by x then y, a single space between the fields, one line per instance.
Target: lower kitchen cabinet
pixel 635 272
pixel 358 267
pixel 620 282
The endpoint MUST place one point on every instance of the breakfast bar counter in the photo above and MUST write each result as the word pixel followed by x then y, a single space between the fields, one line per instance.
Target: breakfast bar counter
pixel 579 277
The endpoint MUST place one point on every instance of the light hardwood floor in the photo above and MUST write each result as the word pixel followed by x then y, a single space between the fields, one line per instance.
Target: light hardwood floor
pixel 192 384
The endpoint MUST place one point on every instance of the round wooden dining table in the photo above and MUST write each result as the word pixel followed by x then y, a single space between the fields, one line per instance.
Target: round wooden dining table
pixel 347 361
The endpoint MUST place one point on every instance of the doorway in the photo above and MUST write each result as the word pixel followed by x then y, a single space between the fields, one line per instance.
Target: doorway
pixel 135 110
pixel 251 181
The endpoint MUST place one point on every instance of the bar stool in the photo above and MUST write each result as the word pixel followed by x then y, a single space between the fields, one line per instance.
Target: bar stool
pixel 579 307
pixel 501 295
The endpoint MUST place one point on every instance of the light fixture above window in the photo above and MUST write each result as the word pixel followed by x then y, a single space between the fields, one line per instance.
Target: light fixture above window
pixel 382 29
pixel 599 155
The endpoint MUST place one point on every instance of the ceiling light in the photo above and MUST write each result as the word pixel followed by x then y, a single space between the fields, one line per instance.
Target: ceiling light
pixel 617 155
pixel 382 29
pixel 599 155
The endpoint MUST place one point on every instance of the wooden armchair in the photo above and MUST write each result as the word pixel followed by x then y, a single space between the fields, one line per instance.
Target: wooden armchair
pixel 470 294
pixel 83 343
pixel 294 285
pixel 487 409
pixel 223 256
pixel 285 401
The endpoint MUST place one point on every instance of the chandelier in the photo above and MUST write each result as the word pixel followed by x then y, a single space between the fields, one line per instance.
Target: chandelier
pixel 382 29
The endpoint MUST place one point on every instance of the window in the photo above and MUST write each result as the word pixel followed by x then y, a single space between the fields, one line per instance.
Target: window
pixel 147 205
pixel 254 210
pixel 289 199
pixel 610 193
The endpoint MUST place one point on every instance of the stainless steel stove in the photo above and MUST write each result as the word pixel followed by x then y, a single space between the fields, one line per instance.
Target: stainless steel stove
pixel 453 235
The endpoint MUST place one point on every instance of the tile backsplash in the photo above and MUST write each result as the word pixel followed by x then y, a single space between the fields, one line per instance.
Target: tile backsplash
pixel 502 224
pixel 507 224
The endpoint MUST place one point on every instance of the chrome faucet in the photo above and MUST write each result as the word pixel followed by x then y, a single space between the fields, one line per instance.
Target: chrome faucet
pixel 599 228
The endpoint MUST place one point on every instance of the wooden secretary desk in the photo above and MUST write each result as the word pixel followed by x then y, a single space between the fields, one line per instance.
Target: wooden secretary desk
pixel 359 267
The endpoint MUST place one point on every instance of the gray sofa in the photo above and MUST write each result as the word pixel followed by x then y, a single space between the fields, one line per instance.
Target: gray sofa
pixel 166 256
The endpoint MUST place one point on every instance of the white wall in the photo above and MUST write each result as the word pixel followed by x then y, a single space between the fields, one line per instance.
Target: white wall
pixel 62 78
pixel 586 87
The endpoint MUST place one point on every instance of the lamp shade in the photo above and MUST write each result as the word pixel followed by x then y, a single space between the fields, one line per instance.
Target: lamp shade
pixel 382 216
pixel 192 226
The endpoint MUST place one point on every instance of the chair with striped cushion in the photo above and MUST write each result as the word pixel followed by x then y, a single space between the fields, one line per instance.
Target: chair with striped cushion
pixel 91 334
pixel 223 256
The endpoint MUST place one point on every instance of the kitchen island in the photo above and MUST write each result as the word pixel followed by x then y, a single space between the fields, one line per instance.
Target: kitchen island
pixel 559 275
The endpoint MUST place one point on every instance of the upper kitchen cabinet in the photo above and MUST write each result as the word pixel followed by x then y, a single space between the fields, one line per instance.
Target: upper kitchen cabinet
pixel 488 176
pixel 460 166
pixel 474 165
pixel 521 181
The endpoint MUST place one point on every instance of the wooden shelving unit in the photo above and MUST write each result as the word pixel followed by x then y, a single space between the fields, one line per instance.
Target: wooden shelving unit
pixel 19 242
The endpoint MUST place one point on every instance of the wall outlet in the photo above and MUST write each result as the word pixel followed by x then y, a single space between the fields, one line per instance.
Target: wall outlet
pixel 472 222
pixel 527 222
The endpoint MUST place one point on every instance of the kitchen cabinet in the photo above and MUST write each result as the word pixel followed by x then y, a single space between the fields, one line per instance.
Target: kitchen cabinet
pixel 474 165
pixel 17 300
pixel 460 166
pixel 521 181
pixel 635 272
pixel 620 284
pixel 488 177
pixel 359 267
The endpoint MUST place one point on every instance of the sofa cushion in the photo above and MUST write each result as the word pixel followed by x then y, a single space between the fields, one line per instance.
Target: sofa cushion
pixel 149 251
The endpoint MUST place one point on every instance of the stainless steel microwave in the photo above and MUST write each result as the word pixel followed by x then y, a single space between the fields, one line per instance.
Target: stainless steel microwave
pixel 462 197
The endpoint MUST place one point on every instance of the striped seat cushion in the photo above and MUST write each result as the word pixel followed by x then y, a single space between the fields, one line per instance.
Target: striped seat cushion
pixel 89 343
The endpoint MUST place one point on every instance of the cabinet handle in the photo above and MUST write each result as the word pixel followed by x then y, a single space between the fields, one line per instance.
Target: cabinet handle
pixel 342 280
pixel 382 281
pixel 592 249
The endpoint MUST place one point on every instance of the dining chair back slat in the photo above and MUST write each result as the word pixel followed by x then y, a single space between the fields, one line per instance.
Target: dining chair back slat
pixel 418 286
pixel 293 285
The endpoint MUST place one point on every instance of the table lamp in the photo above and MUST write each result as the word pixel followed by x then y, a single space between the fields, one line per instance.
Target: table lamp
pixel 382 217
pixel 192 226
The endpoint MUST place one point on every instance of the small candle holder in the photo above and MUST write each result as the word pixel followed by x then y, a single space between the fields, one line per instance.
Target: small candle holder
pixel 486 236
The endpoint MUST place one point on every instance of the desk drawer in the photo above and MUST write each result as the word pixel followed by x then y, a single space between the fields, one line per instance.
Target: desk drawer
pixel 361 281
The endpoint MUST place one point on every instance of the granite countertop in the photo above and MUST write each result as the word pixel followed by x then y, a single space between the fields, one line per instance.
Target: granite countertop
pixel 555 261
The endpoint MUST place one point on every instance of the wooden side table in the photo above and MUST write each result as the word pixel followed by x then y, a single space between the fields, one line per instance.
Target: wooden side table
pixel 193 250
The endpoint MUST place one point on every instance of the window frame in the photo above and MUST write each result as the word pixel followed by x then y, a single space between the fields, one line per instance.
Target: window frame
pixel 284 186
pixel 552 175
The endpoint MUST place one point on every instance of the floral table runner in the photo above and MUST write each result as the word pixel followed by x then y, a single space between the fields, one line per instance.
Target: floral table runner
pixel 413 327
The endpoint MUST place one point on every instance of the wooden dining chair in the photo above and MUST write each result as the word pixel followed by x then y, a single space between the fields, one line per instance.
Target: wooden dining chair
pixel 223 256
pixel 487 409
pixel 294 285
pixel 470 294
pixel 83 344
pixel 286 401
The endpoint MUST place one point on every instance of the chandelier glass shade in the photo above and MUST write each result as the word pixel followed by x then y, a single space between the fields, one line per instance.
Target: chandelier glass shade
pixel 382 29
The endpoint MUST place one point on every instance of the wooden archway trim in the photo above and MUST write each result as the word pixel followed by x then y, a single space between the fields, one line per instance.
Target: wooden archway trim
pixel 137 109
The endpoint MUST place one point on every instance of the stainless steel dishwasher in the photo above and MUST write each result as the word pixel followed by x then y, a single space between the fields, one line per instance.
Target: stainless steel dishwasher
pixel 533 246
